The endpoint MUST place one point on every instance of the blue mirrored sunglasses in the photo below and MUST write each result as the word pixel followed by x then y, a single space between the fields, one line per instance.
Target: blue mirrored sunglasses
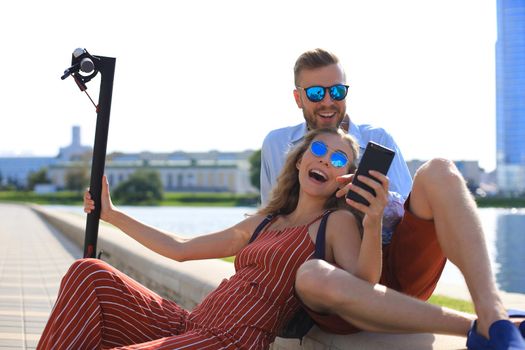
pixel 338 159
pixel 316 93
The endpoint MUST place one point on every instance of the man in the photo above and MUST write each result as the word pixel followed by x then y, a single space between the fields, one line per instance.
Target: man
pixel 425 222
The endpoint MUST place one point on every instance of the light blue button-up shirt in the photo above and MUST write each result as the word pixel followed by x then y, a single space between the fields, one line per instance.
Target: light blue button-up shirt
pixel 278 143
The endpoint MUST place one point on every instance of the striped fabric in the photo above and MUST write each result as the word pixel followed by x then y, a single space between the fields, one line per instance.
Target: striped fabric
pixel 100 307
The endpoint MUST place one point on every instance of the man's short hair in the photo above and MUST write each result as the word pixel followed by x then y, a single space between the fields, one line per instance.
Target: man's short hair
pixel 313 59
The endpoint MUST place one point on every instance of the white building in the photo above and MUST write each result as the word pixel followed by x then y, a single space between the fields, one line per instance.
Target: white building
pixel 179 171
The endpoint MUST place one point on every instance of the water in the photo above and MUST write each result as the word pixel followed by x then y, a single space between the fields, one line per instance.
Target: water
pixel 504 234
pixel 505 237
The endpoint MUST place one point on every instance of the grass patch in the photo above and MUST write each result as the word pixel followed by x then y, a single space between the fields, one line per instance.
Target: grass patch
pixel 230 259
pixel 170 198
pixel 453 303
pixel 501 202
pixel 64 197
pixel 208 199
pixel 204 199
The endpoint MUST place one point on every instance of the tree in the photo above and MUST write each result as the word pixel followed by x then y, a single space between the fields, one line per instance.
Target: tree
pixel 142 187
pixel 77 179
pixel 38 177
pixel 255 169
pixel 13 184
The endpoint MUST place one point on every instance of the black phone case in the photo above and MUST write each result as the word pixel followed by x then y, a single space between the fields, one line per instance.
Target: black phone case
pixel 376 157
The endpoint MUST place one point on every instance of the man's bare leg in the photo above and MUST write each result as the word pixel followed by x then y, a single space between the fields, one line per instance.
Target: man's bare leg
pixel 373 307
pixel 439 193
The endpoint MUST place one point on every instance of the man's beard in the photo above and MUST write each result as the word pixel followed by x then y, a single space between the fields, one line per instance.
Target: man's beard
pixel 312 120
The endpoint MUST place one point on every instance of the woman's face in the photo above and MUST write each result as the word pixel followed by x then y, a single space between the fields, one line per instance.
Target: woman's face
pixel 321 164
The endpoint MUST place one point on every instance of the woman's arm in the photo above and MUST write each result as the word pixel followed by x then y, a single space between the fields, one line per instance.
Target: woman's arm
pixel 361 257
pixel 214 245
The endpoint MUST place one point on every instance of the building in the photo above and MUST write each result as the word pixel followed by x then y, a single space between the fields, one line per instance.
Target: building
pixel 75 150
pixel 179 171
pixel 510 97
pixel 16 170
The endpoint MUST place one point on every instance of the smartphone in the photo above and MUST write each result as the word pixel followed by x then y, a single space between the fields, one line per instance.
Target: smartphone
pixel 376 157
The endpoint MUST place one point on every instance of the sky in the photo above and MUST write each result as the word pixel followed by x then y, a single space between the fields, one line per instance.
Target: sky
pixel 218 75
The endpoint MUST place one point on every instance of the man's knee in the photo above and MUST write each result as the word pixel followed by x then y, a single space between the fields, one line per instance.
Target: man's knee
pixel 439 171
pixel 307 277
pixel 316 285
pixel 433 183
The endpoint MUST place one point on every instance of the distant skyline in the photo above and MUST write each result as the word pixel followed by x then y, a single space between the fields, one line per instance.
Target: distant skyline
pixel 199 76
pixel 510 96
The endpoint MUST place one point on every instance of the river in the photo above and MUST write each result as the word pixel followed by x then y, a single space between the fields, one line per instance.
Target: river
pixel 504 233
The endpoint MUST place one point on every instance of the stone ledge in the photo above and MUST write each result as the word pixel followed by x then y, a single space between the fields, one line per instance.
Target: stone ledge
pixel 189 282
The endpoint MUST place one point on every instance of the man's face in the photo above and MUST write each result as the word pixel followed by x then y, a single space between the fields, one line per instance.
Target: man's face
pixel 328 112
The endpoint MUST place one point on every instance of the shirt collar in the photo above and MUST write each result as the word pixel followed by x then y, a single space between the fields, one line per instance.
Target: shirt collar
pixel 356 133
pixel 298 133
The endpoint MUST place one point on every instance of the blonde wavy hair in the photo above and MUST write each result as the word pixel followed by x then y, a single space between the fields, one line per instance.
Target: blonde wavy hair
pixel 285 194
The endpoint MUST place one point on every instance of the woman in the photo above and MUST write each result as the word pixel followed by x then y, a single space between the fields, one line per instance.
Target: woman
pixel 98 306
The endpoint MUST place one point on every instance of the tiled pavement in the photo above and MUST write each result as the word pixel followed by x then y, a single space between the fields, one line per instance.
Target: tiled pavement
pixel 33 257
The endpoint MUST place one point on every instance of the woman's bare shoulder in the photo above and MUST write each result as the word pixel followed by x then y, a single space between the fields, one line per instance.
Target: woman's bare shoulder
pixel 251 221
pixel 342 220
pixel 343 215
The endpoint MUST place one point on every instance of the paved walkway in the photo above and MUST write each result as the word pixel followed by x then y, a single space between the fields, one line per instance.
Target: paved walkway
pixel 33 259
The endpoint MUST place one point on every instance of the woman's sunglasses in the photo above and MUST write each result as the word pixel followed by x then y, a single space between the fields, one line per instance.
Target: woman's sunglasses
pixel 316 93
pixel 337 158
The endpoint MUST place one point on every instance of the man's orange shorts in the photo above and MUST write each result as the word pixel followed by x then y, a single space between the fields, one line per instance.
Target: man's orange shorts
pixel 412 264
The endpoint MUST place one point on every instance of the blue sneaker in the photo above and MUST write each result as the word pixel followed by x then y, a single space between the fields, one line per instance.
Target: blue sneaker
pixel 476 341
pixel 505 336
pixel 518 313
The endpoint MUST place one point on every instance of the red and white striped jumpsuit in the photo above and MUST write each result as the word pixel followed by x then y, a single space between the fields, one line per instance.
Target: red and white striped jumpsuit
pixel 100 307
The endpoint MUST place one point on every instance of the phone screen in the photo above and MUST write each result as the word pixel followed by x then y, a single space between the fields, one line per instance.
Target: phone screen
pixel 376 157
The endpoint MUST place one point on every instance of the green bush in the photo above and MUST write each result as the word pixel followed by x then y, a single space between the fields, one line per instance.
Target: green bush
pixel 77 179
pixel 37 177
pixel 143 187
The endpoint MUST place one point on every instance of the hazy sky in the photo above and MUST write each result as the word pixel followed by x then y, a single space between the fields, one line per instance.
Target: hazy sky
pixel 208 74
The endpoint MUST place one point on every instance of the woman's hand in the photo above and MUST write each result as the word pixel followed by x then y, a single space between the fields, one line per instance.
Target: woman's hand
pixel 107 205
pixel 373 212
